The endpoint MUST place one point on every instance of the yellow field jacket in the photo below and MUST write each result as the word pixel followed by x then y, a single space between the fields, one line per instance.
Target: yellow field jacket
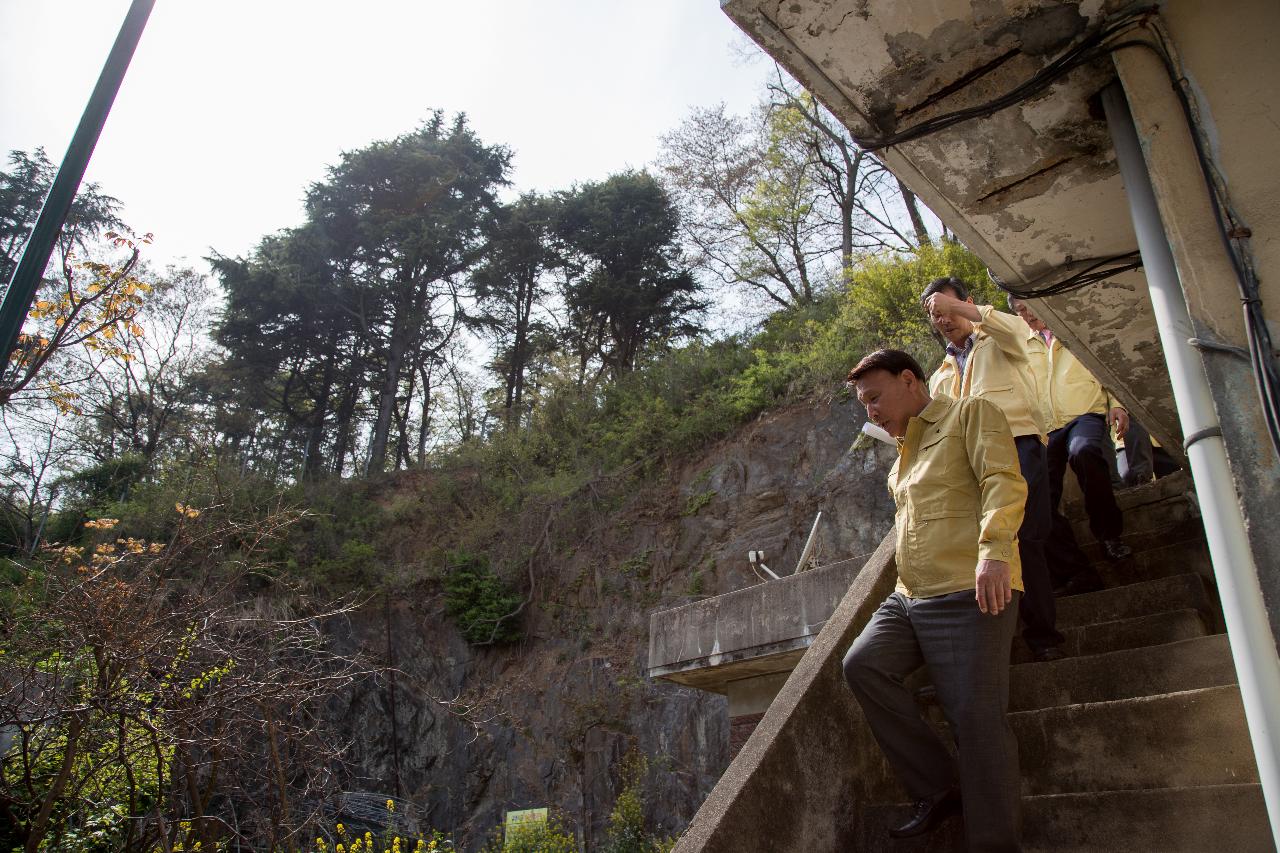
pixel 997 370
pixel 1066 387
pixel 959 493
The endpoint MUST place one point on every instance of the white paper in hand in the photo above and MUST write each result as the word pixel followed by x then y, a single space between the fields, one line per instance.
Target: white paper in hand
pixel 878 433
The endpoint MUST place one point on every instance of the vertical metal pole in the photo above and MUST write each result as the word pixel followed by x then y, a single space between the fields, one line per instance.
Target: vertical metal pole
pixel 391 674
pixel 35 256
pixel 808 546
pixel 1252 644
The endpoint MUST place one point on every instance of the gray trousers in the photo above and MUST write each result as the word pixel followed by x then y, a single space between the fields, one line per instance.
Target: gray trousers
pixel 967 653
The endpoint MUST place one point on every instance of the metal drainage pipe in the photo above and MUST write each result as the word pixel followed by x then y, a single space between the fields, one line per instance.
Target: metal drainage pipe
pixel 1252 644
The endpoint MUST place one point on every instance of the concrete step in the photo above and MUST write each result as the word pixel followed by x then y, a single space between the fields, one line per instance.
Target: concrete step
pixel 1185 739
pixel 1167 527
pixel 1174 511
pixel 1143 518
pixel 1171 556
pixel 1154 629
pixel 1176 592
pixel 1127 674
pixel 1134 502
pixel 1177 820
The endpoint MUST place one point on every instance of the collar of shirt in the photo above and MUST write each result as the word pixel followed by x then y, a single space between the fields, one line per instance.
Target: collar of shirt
pixel 1044 336
pixel 929 414
pixel 936 406
pixel 916 426
pixel 962 352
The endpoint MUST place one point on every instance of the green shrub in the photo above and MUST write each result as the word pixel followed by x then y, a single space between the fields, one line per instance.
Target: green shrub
pixel 626 831
pixel 354 563
pixel 696 502
pixel 638 566
pixel 334 545
pixel 480 601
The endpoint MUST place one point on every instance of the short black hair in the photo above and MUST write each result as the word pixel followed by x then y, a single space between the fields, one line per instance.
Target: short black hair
pixel 949 282
pixel 893 360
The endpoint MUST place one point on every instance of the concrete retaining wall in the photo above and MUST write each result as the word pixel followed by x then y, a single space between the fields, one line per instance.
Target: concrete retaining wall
pixel 811 754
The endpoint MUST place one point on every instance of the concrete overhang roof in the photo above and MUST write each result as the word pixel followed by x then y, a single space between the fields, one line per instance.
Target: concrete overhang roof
pixel 1030 188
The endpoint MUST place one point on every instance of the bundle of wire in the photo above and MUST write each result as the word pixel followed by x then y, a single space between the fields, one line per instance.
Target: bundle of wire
pixel 1071 276
pixel 1094 45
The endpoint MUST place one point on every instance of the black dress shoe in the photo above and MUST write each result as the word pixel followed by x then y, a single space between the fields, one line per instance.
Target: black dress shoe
pixel 929 814
pixel 1079 585
pixel 1116 550
pixel 1046 655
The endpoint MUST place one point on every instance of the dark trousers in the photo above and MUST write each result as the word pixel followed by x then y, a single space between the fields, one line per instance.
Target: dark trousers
pixel 1136 463
pixel 967 653
pixel 1082 445
pixel 1141 460
pixel 1066 559
pixel 1038 609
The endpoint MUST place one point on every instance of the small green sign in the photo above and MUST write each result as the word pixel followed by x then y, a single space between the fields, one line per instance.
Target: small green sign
pixel 525 818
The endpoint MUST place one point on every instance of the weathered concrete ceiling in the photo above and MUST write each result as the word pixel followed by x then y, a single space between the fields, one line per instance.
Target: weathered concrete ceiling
pixel 1029 188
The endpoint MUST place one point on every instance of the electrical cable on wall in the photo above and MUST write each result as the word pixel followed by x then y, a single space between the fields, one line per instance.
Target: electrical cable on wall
pixel 1094 45
pixel 1071 276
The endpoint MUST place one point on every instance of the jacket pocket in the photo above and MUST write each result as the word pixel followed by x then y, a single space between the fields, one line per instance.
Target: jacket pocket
pixel 943 545
pixel 935 435
pixel 942 465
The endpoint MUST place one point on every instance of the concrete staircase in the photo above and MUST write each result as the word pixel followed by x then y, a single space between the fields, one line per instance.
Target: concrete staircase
pixel 1137 741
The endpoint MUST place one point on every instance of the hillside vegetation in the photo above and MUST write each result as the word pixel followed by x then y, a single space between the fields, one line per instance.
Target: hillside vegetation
pixel 219 516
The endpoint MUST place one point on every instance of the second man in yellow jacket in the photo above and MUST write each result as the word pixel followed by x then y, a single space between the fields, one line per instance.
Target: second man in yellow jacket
pixel 987 358
pixel 1079 414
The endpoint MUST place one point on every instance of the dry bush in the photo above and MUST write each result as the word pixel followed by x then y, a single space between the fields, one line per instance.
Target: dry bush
pixel 147 702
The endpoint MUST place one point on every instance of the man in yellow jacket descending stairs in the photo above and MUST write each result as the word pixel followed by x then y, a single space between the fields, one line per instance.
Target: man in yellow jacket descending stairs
pixel 960 501
pixel 1079 413
pixel 987 358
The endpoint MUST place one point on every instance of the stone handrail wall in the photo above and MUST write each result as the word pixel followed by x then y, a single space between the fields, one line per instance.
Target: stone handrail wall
pixel 801 778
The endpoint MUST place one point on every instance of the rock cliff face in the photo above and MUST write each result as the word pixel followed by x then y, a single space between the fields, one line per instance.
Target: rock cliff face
pixel 548 721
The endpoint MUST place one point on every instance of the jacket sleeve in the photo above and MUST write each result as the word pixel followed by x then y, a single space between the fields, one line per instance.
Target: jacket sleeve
pixel 1008 331
pixel 994 460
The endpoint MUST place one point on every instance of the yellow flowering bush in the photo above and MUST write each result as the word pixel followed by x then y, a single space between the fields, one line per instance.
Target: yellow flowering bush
pixel 388 841
pixel 94 308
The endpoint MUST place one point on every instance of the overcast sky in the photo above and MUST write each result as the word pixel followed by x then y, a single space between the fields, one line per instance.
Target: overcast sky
pixel 231 107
